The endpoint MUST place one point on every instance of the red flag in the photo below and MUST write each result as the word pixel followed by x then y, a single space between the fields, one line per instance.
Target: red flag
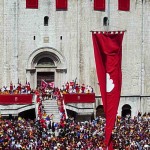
pixel 108 56
pixel 124 5
pixel 51 84
pixel 44 84
pixel 99 5
pixel 72 83
pixel 33 4
pixel 61 4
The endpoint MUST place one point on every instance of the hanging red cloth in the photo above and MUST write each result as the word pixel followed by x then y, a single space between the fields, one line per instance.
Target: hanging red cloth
pixel 62 4
pixel 32 4
pixel 108 56
pixel 124 5
pixel 99 5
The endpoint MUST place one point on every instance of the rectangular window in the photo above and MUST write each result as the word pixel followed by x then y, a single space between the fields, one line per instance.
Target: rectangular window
pixel 61 4
pixel 33 4
pixel 99 4
pixel 124 5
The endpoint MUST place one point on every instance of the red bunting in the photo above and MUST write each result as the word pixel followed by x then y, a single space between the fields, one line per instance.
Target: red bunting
pixel 33 4
pixel 99 4
pixel 124 5
pixel 61 4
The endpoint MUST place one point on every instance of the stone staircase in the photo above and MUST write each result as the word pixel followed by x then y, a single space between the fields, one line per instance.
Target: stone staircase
pixel 51 107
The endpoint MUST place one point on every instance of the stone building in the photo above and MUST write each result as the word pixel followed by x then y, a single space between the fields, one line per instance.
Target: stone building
pixel 57 46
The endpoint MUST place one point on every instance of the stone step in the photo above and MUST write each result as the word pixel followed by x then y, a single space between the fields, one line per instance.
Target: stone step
pixel 51 107
pixel 54 103
pixel 50 103
pixel 54 111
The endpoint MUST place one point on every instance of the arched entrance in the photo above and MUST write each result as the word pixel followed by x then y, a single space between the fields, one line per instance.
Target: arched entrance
pixel 28 114
pixel 126 110
pixel 100 111
pixel 47 64
pixel 71 114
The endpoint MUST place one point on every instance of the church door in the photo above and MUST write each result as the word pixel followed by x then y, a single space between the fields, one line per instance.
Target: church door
pixel 46 76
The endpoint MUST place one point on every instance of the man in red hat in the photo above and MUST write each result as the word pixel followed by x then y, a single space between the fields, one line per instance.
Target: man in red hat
pixel 83 88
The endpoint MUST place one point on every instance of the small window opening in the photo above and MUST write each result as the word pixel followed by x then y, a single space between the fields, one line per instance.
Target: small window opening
pixel 105 21
pixel 34 38
pixel 46 20
pixel 60 37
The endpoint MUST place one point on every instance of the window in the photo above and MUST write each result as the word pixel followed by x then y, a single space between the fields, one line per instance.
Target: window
pixel 105 21
pixel 46 18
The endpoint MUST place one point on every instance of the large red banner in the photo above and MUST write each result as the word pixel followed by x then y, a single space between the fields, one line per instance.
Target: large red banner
pixel 79 98
pixel 16 99
pixel 99 5
pixel 108 56
pixel 61 4
pixel 32 4
pixel 124 5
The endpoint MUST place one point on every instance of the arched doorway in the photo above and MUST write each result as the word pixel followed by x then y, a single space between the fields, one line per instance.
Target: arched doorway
pixel 28 114
pixel 71 114
pixel 47 64
pixel 126 110
pixel 100 111
pixel 47 76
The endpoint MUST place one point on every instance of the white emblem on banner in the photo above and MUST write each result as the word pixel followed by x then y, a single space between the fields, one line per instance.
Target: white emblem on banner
pixel 110 85
pixel 78 97
pixel 16 99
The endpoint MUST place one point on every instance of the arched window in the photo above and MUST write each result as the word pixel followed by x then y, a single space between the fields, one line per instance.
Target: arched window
pixel 46 20
pixel 105 21
pixel 45 62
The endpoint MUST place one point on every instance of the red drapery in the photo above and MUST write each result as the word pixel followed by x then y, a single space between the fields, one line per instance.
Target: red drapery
pixel 32 4
pixel 99 4
pixel 16 99
pixel 79 98
pixel 124 5
pixel 61 4
pixel 108 56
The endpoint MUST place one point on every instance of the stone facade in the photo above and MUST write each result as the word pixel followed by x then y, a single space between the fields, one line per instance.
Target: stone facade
pixel 67 41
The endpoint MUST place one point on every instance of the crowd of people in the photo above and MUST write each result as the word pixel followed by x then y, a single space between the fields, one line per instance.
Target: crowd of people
pixel 52 92
pixel 19 89
pixel 48 90
pixel 128 134
pixel 45 134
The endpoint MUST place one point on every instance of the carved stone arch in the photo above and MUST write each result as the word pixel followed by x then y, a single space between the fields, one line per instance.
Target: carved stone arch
pixel 47 51
pixel 56 65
